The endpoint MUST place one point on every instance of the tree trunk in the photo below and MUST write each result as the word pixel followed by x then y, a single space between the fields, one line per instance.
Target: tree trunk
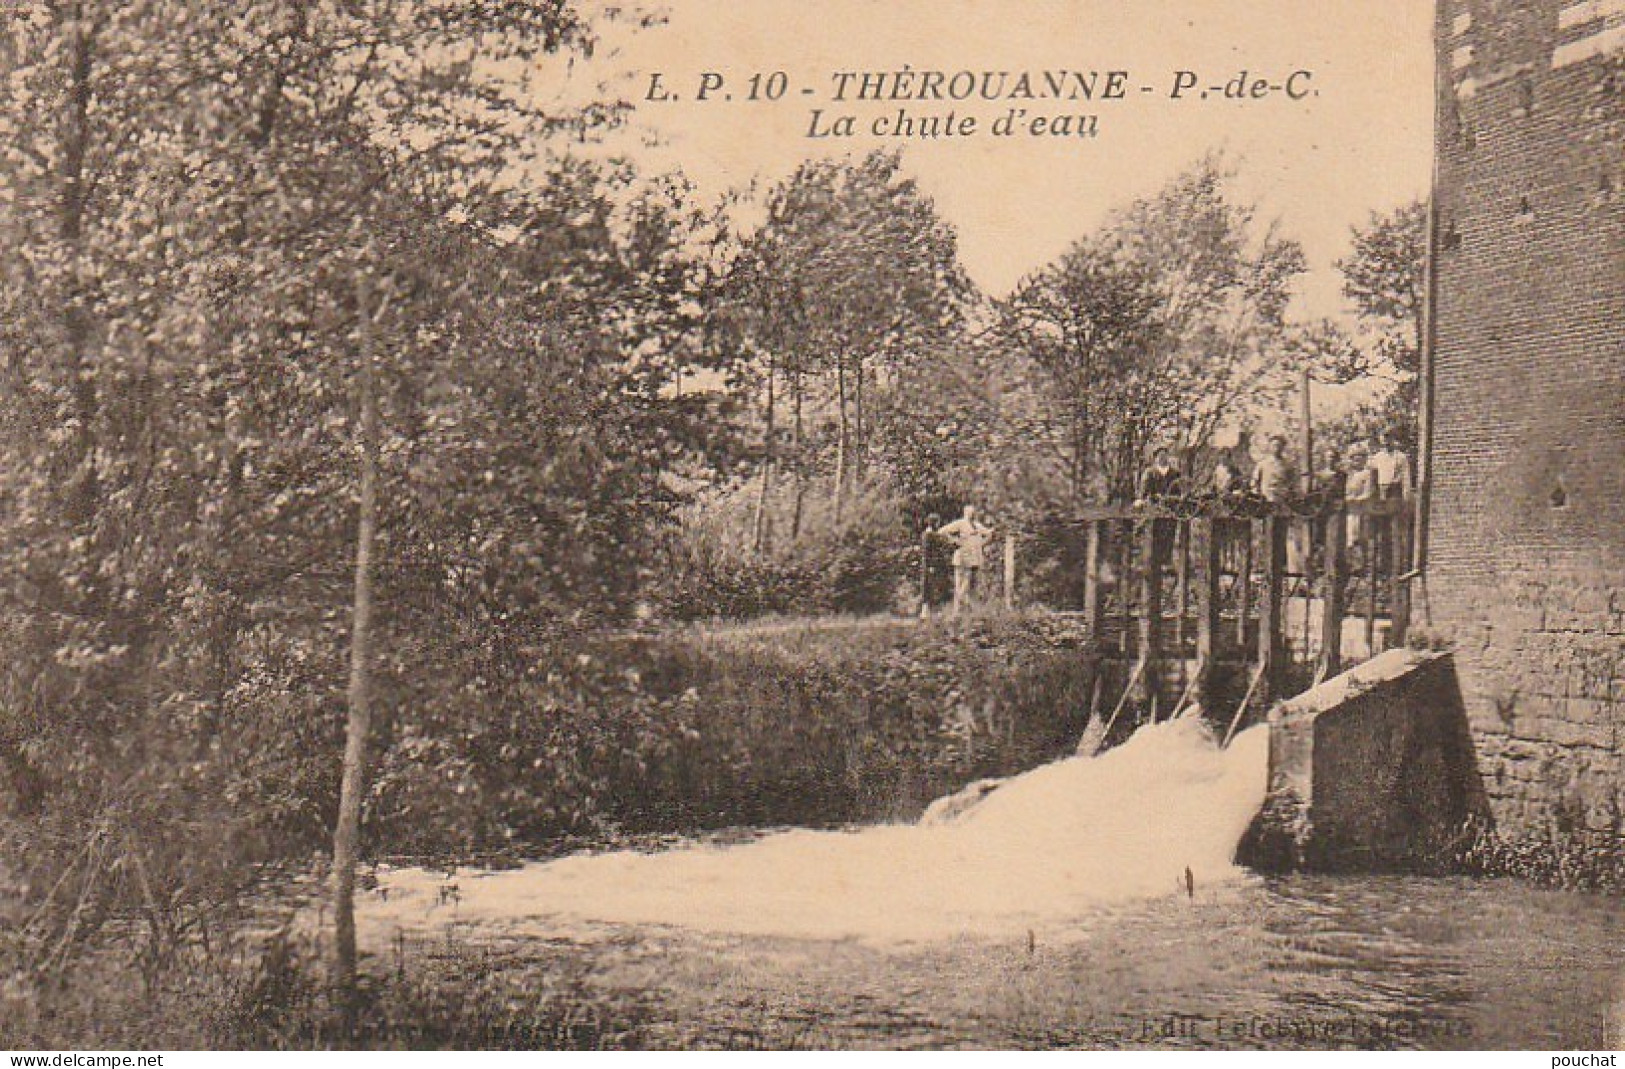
pixel 71 220
pixel 1077 452
pixel 860 443
pixel 80 489
pixel 759 527
pixel 798 460
pixel 1306 444
pixel 346 833
pixel 842 438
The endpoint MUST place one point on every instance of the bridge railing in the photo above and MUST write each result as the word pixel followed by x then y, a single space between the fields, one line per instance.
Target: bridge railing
pixel 1236 603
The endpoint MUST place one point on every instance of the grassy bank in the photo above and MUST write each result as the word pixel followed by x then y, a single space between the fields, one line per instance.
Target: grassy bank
pixel 816 725
pixel 786 723
pixel 270 993
pixel 623 739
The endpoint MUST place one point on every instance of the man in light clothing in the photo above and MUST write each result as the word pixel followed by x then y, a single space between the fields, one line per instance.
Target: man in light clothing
pixel 1393 469
pixel 1391 474
pixel 1276 481
pixel 1361 488
pixel 970 540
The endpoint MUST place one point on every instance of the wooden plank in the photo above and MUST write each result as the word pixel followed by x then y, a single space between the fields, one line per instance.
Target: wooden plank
pixel 1125 572
pixel 1246 700
pixel 1182 585
pixel 1303 546
pixel 1111 722
pixel 1151 563
pixel 1244 589
pixel 1009 572
pixel 1206 534
pixel 925 567
pixel 1370 587
pixel 1334 587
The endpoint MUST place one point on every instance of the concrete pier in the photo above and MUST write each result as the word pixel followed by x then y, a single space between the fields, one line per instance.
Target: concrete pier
pixel 1372 770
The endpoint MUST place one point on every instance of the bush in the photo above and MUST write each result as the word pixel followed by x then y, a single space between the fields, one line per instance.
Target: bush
pixel 270 992
pixel 854 564
pixel 1571 860
pixel 139 901
pixel 811 724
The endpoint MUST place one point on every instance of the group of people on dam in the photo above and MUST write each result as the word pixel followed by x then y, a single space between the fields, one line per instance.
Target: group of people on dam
pixel 1269 478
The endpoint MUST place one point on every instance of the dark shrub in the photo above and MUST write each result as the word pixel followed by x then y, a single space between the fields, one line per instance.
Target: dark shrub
pixel 776 724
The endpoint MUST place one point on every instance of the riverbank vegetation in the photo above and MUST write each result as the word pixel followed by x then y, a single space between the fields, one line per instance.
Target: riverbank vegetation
pixel 311 320
pixel 625 739
pixel 1569 856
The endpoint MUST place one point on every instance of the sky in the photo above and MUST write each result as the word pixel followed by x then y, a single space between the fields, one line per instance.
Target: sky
pixel 1319 165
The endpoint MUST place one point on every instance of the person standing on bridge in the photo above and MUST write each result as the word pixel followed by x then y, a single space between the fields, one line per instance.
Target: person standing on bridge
pixel 1392 468
pixel 1391 475
pixel 1161 481
pixel 970 538
pixel 1360 491
pixel 1274 480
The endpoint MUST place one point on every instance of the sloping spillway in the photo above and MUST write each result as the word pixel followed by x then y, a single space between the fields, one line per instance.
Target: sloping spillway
pixel 1044 847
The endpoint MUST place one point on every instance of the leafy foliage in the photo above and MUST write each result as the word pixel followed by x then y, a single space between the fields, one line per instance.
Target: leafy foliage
pixel 851 564
pixel 852 277
pixel 204 196
pixel 787 723
pixel 1385 279
pixel 1570 859
pixel 1154 331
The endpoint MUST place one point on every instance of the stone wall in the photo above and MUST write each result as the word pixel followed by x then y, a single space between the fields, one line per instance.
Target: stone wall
pixel 1526 566
pixel 1542 666
pixel 1371 770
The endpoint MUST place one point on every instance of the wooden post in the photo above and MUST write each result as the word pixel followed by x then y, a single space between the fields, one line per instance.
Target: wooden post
pixel 1303 547
pixel 1271 609
pixel 1151 558
pixel 925 566
pixel 1009 572
pixel 1182 582
pixel 1244 587
pixel 1206 535
pixel 1333 588
pixel 1125 569
pixel 1399 591
pixel 1092 602
pixel 1367 522
pixel 1307 443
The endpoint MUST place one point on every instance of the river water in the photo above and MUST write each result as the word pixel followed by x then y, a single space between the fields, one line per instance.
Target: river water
pixel 1089 903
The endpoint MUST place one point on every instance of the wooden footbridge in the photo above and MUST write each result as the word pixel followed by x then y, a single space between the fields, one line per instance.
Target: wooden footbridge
pixel 1233 607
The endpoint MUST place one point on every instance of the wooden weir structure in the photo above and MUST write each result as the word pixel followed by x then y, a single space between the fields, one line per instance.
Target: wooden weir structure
pixel 1234 607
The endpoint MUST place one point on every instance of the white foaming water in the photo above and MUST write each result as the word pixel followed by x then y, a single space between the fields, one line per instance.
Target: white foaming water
pixel 1046 846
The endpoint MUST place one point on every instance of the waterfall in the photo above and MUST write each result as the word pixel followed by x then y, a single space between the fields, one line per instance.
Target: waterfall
pixel 1033 852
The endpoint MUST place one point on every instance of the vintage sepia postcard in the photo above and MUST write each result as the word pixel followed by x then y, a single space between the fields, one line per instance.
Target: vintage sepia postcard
pixel 811 525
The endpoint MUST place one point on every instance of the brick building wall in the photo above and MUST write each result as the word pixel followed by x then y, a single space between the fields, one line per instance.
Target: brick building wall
pixel 1526 566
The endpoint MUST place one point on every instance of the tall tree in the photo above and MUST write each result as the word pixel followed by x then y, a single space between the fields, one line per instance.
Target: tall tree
pixel 347 828
pixel 852 273
pixel 1156 329
pixel 1086 320
pixel 1384 278
pixel 188 188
